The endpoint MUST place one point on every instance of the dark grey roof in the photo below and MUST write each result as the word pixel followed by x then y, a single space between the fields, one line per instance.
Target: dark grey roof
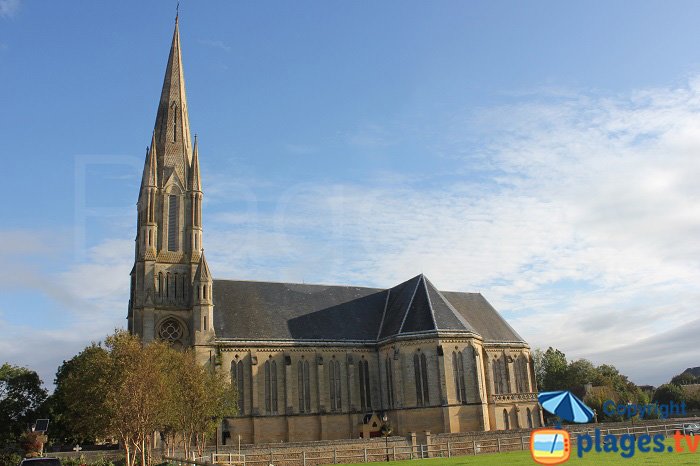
pixel 245 310
pixel 474 308
pixel 281 311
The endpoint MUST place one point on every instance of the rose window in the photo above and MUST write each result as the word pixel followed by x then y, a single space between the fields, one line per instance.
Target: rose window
pixel 170 330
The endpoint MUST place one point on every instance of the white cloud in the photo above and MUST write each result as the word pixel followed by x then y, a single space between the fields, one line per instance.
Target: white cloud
pixel 585 233
pixel 582 227
pixel 89 297
pixel 217 44
pixel 8 8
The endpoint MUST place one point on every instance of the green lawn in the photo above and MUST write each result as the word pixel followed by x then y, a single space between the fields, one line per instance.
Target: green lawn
pixel 524 458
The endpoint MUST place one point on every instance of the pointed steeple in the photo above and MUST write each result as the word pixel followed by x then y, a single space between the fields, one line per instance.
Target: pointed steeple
pixel 195 181
pixel 172 128
pixel 150 172
pixel 202 274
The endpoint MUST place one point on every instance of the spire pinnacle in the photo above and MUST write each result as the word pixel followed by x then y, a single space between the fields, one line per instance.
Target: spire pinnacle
pixel 150 172
pixel 195 181
pixel 202 274
pixel 172 127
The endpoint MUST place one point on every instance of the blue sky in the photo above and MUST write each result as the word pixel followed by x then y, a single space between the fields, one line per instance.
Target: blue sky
pixel 542 153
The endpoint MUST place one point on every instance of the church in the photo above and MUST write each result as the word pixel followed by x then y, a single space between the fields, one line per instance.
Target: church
pixel 314 362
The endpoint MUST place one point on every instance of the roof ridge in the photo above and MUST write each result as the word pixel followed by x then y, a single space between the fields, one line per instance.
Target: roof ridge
pixel 408 308
pixel 430 302
pixel 386 304
pixel 456 313
pixel 300 284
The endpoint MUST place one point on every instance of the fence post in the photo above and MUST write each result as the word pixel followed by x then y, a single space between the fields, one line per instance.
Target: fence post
pixel 522 442
pixel 303 453
pixel 474 447
pixel 499 443
pixel 272 457
pixel 335 455
pixel 449 454
pixel 365 454
pixel 394 452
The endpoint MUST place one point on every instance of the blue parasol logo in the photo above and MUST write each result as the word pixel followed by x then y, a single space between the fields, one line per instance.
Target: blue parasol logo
pixel 565 405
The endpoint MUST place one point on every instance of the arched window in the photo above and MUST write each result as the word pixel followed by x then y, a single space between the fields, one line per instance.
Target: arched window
pixel 506 420
pixel 526 372
pixel 365 391
pixel 237 378
pixel 304 387
pixel 424 374
pixel 205 291
pixel 500 375
pixel 160 283
pixel 420 367
pixel 389 383
pixel 172 223
pixel 334 385
pixel 175 277
pixel 458 369
pixel 271 387
pixel 529 418
pixel 273 370
pixel 167 284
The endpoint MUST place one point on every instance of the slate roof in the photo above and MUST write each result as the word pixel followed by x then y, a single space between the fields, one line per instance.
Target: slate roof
pixel 250 311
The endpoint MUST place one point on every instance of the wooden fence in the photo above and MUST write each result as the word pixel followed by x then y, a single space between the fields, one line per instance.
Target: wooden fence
pixel 439 446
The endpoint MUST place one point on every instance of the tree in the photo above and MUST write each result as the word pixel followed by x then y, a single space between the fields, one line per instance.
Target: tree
pixel 667 393
pixel 77 404
pixel 130 390
pixel 550 369
pixel 578 374
pixel 686 378
pixel 200 399
pixel 21 395
pixel 138 397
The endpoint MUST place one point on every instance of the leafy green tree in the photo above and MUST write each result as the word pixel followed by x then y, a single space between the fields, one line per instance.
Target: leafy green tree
pixel 200 399
pixel 686 378
pixel 667 393
pixel 551 370
pixel 128 390
pixel 578 374
pixel 77 404
pixel 21 395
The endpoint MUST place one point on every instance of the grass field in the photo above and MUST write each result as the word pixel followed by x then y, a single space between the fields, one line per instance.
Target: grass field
pixel 523 458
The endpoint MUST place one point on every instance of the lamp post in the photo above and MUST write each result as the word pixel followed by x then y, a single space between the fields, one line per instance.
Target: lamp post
pixel 386 432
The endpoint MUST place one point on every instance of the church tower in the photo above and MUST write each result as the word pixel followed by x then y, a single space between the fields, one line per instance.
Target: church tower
pixel 171 285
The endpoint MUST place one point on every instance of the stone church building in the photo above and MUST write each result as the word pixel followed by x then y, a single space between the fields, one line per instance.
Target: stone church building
pixel 314 362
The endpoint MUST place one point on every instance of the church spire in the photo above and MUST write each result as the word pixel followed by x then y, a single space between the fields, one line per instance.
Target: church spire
pixel 172 128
